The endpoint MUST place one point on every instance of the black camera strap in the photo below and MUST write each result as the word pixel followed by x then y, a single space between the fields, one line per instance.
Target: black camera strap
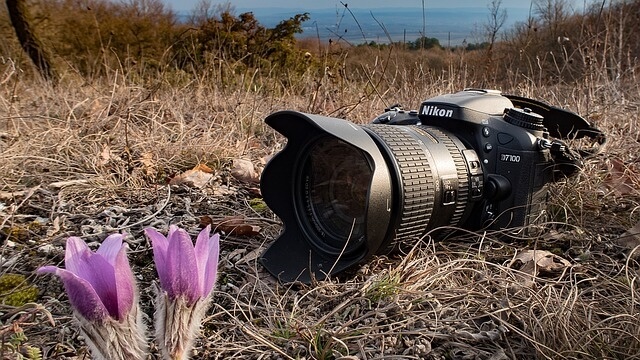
pixel 564 125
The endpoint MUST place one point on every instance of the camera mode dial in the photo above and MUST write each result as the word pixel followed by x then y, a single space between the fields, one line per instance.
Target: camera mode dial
pixel 524 118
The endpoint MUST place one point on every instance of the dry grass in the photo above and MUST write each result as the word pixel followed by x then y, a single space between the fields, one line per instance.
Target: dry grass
pixel 90 159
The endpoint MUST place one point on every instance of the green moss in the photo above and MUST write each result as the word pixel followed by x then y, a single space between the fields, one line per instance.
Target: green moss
pixel 16 346
pixel 20 233
pixel 16 291
pixel 258 205
pixel 15 233
pixel 32 353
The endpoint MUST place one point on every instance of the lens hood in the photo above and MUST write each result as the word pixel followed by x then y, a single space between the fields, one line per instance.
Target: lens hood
pixel 296 254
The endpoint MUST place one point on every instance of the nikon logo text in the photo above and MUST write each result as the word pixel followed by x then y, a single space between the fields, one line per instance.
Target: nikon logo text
pixel 436 111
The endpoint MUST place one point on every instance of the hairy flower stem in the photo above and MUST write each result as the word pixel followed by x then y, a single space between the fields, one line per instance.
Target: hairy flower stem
pixel 178 324
pixel 116 340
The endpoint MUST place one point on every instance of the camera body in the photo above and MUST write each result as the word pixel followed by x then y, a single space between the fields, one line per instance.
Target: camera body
pixel 472 160
pixel 506 154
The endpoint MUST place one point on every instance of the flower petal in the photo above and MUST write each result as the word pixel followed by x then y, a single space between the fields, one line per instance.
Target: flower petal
pixel 202 254
pixel 104 277
pixel 124 284
pixel 207 254
pixel 172 229
pixel 160 244
pixel 110 247
pixel 103 280
pixel 77 261
pixel 75 251
pixel 47 269
pixel 82 295
pixel 182 269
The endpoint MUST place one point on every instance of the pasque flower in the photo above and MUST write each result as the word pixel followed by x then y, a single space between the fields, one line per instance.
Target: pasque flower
pixel 187 276
pixel 102 290
pixel 184 270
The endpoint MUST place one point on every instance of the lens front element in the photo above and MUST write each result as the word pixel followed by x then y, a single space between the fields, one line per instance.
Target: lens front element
pixel 334 190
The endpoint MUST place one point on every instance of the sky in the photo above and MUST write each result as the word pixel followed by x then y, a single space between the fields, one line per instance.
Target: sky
pixel 188 5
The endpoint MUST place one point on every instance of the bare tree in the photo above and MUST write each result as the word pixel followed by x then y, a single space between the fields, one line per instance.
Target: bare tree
pixel 553 14
pixel 19 15
pixel 497 18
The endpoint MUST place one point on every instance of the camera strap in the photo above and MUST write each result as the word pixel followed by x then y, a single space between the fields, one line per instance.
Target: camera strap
pixel 564 125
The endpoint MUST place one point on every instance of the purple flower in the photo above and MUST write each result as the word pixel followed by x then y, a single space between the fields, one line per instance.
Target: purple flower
pixel 102 290
pixel 100 285
pixel 184 270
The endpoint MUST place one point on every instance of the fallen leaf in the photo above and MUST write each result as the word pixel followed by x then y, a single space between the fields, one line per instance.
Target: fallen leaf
pixel 55 227
pixel 198 177
pixel 621 178
pixel 148 165
pixel 243 170
pixel 234 255
pixel 204 168
pixel 231 225
pixel 224 190
pixel 631 240
pixel 205 221
pixel 534 262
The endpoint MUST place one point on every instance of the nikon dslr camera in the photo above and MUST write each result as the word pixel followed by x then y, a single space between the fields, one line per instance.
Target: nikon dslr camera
pixel 473 160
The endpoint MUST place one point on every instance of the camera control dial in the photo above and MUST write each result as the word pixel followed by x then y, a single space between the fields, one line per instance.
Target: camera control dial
pixel 524 118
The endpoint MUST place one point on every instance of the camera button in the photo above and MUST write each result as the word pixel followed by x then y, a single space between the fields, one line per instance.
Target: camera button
pixel 486 132
pixel 504 138
pixel 449 197
pixel 488 147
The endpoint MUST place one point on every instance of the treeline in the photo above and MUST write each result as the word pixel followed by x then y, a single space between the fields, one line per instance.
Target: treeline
pixel 91 37
pixel 421 43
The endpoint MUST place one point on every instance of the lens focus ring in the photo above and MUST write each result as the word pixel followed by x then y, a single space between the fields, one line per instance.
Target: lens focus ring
pixel 416 179
pixel 425 158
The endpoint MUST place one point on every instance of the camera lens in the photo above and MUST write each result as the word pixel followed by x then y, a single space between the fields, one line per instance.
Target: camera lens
pixel 432 179
pixel 346 192
pixel 333 191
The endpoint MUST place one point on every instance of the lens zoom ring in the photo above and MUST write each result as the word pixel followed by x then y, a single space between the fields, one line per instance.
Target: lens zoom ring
pixel 461 169
pixel 417 180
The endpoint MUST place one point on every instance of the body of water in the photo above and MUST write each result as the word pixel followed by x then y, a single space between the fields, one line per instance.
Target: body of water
pixel 450 26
